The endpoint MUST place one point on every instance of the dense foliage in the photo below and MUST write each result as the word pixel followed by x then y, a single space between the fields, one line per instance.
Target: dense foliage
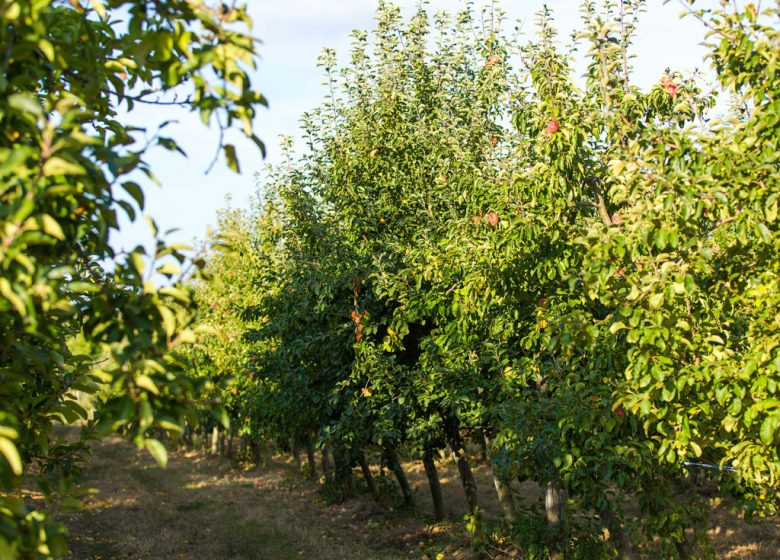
pixel 581 275
pixel 79 319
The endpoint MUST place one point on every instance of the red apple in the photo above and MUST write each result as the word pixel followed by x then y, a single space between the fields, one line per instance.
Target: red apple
pixel 492 218
pixel 617 219
pixel 492 60
pixel 620 412
pixel 552 127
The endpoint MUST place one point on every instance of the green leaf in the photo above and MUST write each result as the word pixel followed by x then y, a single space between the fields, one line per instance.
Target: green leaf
pixel 58 166
pixel 26 103
pixel 169 269
pixel 51 227
pixel 157 451
pixel 616 326
pixel 768 429
pixel 16 301
pixel 168 320
pixel 230 156
pixel 11 454
pixel 134 190
pixel 145 382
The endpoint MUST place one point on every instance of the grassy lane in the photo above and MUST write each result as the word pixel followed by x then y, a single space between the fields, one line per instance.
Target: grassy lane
pixel 198 508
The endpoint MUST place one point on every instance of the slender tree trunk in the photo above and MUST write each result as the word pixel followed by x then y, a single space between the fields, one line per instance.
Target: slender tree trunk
pixel 342 473
pixel 553 505
pixel 433 481
pixel 296 453
pixel 327 467
pixel 214 440
pixel 617 535
pixel 229 446
pixel 222 443
pixel 467 480
pixel 484 445
pixel 368 477
pixel 254 449
pixel 312 460
pixel 395 465
pixel 503 490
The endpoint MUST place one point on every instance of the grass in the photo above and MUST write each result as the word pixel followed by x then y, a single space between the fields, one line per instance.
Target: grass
pixel 200 508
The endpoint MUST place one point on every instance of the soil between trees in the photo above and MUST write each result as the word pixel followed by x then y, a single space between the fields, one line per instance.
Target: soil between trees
pixel 201 508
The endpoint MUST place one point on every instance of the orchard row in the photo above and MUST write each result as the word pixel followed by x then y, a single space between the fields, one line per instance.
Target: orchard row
pixel 582 276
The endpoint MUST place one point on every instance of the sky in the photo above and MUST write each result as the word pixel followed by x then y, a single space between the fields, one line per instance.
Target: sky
pixel 293 33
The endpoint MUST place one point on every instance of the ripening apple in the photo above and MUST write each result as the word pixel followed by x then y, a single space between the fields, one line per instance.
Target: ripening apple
pixel 620 412
pixel 492 218
pixel 492 60
pixel 617 219
pixel 552 127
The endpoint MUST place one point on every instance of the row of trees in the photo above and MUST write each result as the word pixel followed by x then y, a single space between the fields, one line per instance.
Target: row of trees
pixel 78 317
pixel 583 277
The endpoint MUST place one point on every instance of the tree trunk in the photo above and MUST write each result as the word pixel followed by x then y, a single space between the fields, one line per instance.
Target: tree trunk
pixel 553 505
pixel 503 491
pixel 342 471
pixel 214 440
pixel 296 453
pixel 433 481
pixel 368 477
pixel 467 480
pixel 395 465
pixel 327 467
pixel 229 446
pixel 311 458
pixel 617 535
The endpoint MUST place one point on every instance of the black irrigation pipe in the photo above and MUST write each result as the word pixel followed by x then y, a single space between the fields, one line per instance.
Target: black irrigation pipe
pixel 709 466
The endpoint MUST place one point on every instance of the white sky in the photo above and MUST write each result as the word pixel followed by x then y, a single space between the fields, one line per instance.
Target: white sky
pixel 293 33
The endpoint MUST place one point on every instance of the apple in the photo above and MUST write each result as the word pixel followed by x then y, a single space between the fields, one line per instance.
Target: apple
pixel 476 219
pixel 492 60
pixel 668 85
pixel 552 127
pixel 620 412
pixel 492 218
pixel 617 219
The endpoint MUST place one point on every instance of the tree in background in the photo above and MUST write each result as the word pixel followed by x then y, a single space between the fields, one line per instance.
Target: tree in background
pixel 78 317
pixel 581 277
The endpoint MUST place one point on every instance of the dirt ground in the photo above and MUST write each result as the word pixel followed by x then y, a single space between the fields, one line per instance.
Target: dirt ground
pixel 200 508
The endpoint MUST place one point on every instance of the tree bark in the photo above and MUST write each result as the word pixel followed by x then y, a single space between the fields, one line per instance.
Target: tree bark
pixel 617 535
pixel 312 460
pixel 296 453
pixel 455 441
pixel 433 481
pixel 229 446
pixel 395 465
pixel 553 505
pixel 342 473
pixel 327 467
pixel 214 440
pixel 368 477
pixel 503 490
